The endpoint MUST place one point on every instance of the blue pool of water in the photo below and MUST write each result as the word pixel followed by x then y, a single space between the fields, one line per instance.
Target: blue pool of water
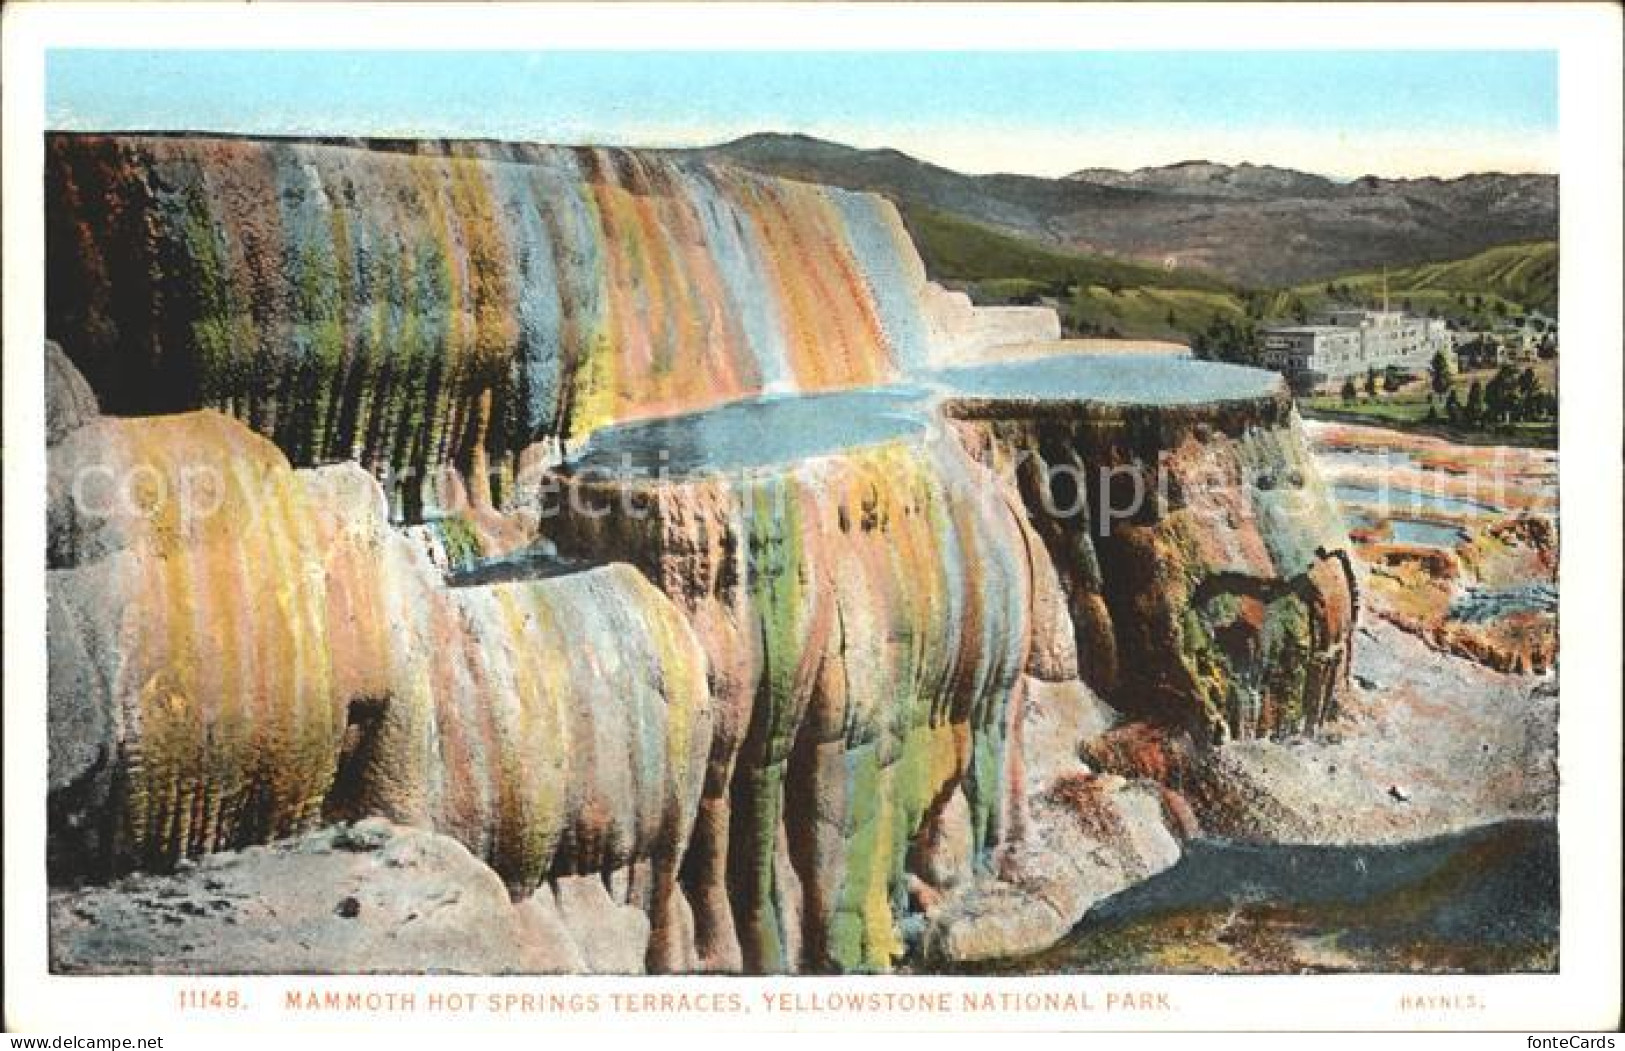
pixel 1427 534
pixel 1399 499
pixel 755 433
pixel 1109 380
pixel 781 429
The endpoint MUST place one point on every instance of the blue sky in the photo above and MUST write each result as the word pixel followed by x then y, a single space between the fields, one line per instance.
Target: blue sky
pixel 1341 113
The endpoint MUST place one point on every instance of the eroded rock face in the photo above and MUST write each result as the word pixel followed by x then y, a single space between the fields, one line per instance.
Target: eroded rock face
pixel 866 618
pixel 1081 837
pixel 451 303
pixel 1424 746
pixel 1099 835
pixel 230 670
pixel 192 706
pixel 69 401
pixel 1204 566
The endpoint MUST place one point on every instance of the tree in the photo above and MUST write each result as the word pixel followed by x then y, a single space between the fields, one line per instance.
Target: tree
pixel 1349 391
pixel 1452 407
pixel 1442 371
pixel 1475 403
pixel 1371 383
pixel 1500 397
pixel 1531 404
pixel 1233 341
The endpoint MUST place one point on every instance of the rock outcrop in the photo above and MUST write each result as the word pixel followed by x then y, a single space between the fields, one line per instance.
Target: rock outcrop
pixel 866 619
pixel 961 332
pixel 1203 564
pixel 1424 746
pixel 69 401
pixel 233 664
pixel 373 898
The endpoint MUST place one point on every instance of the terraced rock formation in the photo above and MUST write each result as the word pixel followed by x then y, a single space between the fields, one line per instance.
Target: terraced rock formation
pixel 626 521
pixel 1204 563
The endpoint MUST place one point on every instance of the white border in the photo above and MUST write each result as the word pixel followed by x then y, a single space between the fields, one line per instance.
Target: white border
pixel 1585 995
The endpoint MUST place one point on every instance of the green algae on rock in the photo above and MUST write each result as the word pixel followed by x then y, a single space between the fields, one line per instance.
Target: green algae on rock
pixel 865 671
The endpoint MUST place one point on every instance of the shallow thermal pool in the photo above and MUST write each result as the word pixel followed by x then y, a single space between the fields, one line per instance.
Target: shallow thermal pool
pixel 754 433
pixel 1425 534
pixel 1409 499
pixel 1110 380
pixel 781 429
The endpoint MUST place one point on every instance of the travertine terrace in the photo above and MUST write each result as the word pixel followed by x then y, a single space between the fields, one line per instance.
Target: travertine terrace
pixel 639 525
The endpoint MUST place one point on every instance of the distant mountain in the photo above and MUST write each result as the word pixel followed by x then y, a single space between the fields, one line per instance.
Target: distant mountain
pixel 1253 224
pixel 1207 179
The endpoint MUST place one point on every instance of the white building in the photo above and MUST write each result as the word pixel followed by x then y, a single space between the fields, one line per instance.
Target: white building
pixel 1345 343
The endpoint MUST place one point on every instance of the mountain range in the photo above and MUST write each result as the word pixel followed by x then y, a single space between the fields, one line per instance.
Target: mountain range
pixel 1254 225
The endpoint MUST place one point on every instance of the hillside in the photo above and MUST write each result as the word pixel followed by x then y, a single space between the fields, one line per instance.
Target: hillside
pixel 1476 292
pixel 957 250
pixel 1524 274
pixel 1096 295
pixel 1250 224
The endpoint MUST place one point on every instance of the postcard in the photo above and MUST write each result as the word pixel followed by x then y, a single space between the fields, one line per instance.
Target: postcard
pixel 1048 517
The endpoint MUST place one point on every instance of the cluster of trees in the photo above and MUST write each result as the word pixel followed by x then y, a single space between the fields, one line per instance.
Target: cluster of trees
pixel 1091 328
pixel 1509 397
pixel 1477 303
pixel 1237 342
pixel 1391 379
